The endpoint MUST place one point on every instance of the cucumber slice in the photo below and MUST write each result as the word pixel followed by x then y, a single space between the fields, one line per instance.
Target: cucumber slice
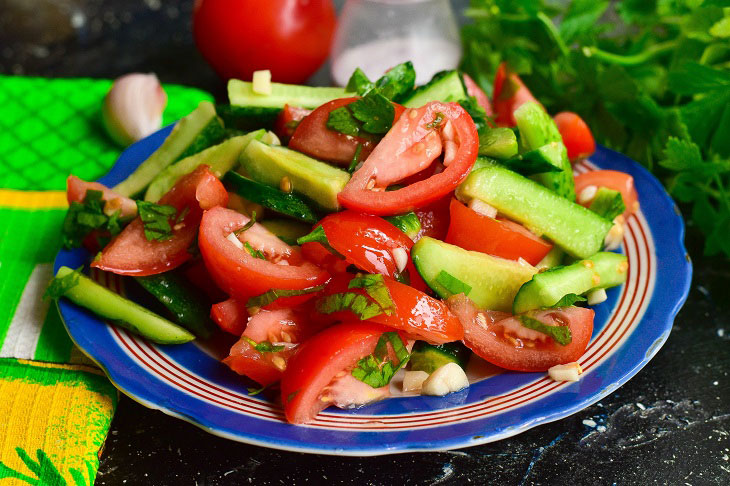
pixel 182 300
pixel 536 161
pixel 240 93
pixel 123 312
pixel 444 86
pixel 287 230
pixel 537 129
pixel 197 131
pixel 553 258
pixel 286 203
pixel 408 223
pixel 489 281
pixel 247 118
pixel 608 203
pixel 221 158
pixel 602 270
pixel 500 143
pixel 427 357
pixel 316 180
pixel 577 230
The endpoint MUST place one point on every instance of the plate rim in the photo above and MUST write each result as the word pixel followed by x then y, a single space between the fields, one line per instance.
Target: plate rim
pixel 679 293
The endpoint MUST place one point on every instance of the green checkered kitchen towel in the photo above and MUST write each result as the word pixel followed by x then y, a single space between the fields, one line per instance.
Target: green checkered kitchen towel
pixel 55 406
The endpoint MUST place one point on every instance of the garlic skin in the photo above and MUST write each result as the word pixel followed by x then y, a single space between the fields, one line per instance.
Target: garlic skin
pixel 133 107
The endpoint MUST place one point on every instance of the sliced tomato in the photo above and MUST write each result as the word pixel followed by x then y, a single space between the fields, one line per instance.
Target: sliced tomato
pixel 415 313
pixel 509 94
pixel 312 137
pixel 612 179
pixel 231 315
pixel 284 327
pixel 131 253
pixel 434 218
pixel 196 273
pixel 243 275
pixel 76 191
pixel 502 340
pixel 503 238
pixel 288 120
pixel 415 141
pixel 323 258
pixel 577 137
pixel 318 361
pixel 473 89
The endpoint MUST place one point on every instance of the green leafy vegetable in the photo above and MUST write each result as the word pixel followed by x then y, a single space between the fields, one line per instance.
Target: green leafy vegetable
pixel 253 252
pixel 375 369
pixel 568 300
pixel 156 219
pixel 318 236
pixel 355 159
pixel 394 85
pixel 532 162
pixel 452 284
pixel 255 391
pixel 374 286
pixel 371 116
pixel 84 217
pixel 246 226
pixel 58 287
pixel 477 113
pixel 359 83
pixel 560 334
pixel 358 304
pixel 650 78
pixel 263 346
pixel 273 294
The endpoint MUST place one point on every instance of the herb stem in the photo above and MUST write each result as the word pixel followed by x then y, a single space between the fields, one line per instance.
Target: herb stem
pixel 632 59
pixel 553 32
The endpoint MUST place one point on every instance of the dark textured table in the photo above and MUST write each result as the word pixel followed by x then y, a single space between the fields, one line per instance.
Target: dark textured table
pixel 669 425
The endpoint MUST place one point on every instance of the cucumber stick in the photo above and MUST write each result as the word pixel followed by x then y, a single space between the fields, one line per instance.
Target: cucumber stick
pixel 445 86
pixel 577 230
pixel 197 131
pixel 602 270
pixel 182 300
pixel 316 180
pixel 221 158
pixel 123 312
pixel 241 93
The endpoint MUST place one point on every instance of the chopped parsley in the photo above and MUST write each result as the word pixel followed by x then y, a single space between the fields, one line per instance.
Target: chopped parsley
pixel 319 236
pixel 568 300
pixel 560 334
pixel 355 159
pixel 375 369
pixel 255 391
pixel 452 284
pixel 58 287
pixel 358 304
pixel 84 217
pixel 156 220
pixel 374 286
pixel 247 226
pixel 253 252
pixel 395 85
pixel 371 115
pixel 359 83
pixel 437 121
pixel 273 294
pixel 263 346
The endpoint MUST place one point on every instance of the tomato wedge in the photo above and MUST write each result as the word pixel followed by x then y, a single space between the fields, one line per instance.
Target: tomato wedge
pixel 577 137
pixel 414 142
pixel 502 340
pixel 473 89
pixel 503 238
pixel 509 94
pixel 434 218
pixel 282 328
pixel 612 179
pixel 131 253
pixel 243 275
pixel 230 315
pixel 76 191
pixel 318 361
pixel 415 313
pixel 288 120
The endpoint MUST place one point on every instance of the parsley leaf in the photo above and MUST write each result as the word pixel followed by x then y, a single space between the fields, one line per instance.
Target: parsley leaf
pixel 355 159
pixel 246 226
pixel 341 120
pixel 156 219
pixel 263 346
pixel 375 112
pixel 567 300
pixel 560 334
pixel 84 217
pixel 358 304
pixel 398 82
pixel 58 287
pixel 253 252
pixel 273 294
pixel 318 235
pixel 359 83
pixel 374 286
pixel 375 370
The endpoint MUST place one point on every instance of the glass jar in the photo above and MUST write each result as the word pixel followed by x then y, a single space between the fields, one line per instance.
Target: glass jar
pixel 375 35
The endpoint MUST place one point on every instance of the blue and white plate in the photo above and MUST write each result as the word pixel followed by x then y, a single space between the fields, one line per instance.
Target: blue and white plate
pixel 189 382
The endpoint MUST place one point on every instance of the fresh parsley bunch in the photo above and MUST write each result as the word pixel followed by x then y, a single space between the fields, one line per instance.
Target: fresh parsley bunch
pixel 650 77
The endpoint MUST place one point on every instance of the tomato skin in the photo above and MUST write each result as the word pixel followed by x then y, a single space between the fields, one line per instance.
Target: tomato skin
pixel 502 238
pixel 409 147
pixel 322 257
pixel 416 313
pixel 231 315
pixel 509 94
pixel 434 218
pixel 238 37
pixel 288 120
pixel 485 336
pixel 473 89
pixel 130 253
pixel 577 137
pixel 612 179
pixel 240 274
pixel 196 273
pixel 76 191
pixel 317 362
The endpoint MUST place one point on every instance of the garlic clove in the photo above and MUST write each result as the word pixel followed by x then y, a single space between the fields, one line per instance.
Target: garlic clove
pixel 133 107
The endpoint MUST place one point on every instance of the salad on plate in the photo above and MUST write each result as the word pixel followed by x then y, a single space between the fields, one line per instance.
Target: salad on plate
pixel 364 241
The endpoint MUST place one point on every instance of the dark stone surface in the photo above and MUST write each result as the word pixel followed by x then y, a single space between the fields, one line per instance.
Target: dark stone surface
pixel 669 425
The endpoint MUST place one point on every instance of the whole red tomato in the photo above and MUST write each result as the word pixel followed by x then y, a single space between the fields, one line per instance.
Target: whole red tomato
pixel 289 37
